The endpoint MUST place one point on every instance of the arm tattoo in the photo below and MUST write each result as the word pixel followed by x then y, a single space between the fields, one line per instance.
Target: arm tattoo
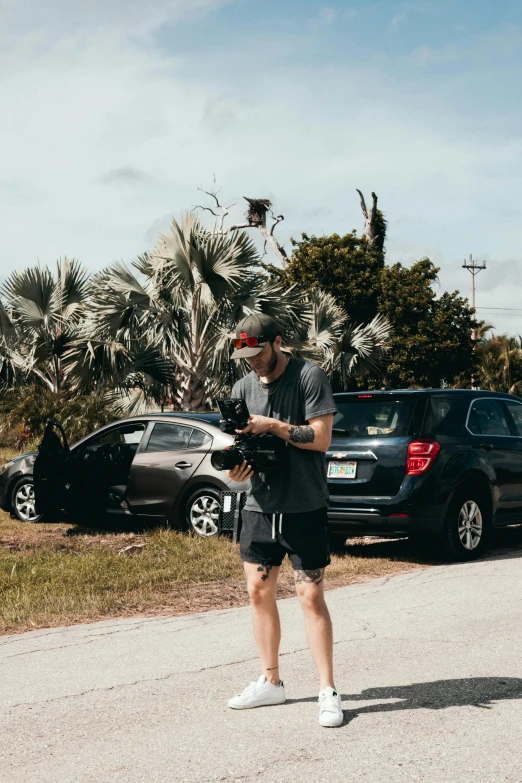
pixel 314 576
pixel 302 434
pixel 266 568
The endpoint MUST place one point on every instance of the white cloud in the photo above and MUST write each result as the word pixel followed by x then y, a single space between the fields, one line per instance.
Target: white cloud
pixel 499 43
pixel 125 175
pixel 56 18
pixel 396 21
pixel 324 17
pixel 350 13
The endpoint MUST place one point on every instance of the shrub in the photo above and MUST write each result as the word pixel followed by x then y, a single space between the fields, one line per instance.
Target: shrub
pixel 25 411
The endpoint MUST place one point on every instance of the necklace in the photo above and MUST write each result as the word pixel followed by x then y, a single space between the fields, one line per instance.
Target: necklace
pixel 268 393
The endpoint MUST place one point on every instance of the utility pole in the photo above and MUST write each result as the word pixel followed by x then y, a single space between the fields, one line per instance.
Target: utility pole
pixel 474 268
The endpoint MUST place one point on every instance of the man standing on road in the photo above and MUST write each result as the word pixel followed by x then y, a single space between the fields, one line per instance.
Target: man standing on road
pixel 286 509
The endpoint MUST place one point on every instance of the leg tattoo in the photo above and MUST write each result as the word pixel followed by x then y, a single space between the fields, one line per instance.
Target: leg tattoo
pixel 266 568
pixel 315 576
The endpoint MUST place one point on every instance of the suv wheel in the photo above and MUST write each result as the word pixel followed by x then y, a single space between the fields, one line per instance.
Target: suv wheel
pixel 202 512
pixel 23 502
pixel 467 526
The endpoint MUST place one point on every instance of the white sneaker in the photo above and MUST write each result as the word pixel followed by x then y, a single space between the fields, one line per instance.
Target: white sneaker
pixel 330 712
pixel 258 694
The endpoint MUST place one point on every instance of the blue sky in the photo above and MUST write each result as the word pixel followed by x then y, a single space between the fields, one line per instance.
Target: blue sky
pixel 116 110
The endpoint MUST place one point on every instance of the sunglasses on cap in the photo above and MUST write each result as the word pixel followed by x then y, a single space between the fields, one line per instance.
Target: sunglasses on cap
pixel 250 342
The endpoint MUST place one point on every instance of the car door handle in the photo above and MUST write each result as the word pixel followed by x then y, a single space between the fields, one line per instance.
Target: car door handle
pixel 183 465
pixel 485 446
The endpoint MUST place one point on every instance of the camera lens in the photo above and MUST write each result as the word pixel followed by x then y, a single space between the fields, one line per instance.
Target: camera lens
pixel 226 459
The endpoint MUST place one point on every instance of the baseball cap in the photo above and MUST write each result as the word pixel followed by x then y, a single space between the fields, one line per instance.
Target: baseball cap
pixel 262 328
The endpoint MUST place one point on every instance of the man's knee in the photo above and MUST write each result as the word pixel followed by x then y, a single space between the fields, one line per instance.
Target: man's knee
pixel 260 584
pixel 310 590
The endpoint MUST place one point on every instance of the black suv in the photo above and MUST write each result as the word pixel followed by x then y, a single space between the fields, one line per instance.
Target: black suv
pixel 439 463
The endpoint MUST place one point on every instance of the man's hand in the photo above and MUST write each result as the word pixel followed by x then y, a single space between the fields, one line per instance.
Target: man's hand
pixel 241 472
pixel 257 425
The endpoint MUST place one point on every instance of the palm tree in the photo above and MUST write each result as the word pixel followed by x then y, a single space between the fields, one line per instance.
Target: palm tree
pixel 340 348
pixel 500 363
pixel 179 305
pixel 40 320
pixel 10 359
pixel 112 354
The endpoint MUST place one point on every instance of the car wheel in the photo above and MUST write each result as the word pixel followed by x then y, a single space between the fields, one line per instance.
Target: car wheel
pixel 23 502
pixel 467 526
pixel 202 512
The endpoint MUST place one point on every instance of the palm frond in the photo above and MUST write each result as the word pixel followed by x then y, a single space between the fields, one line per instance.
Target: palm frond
pixel 152 363
pixel 7 327
pixel 137 400
pixel 70 289
pixel 31 294
pixel 172 254
pixel 328 320
pixel 364 347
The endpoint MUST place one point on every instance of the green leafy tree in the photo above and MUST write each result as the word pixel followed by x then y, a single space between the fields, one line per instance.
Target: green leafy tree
pixel 431 337
pixel 344 266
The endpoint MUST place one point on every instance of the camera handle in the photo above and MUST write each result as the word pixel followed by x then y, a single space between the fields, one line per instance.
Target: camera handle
pixel 237 512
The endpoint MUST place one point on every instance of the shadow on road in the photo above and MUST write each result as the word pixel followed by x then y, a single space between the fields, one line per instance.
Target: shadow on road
pixel 439 695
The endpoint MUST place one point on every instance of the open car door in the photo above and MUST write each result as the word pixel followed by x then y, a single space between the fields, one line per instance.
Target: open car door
pixel 51 468
pixel 99 470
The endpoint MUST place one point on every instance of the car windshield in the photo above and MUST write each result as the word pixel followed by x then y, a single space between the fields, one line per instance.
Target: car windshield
pixel 374 416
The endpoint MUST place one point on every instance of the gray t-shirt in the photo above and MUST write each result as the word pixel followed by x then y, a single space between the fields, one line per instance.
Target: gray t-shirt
pixel 301 394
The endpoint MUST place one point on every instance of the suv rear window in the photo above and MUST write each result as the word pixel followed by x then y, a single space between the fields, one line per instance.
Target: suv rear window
pixel 437 411
pixel 360 417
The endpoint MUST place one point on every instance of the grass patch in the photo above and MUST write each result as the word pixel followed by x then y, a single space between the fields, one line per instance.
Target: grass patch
pixel 85 581
pixel 6 454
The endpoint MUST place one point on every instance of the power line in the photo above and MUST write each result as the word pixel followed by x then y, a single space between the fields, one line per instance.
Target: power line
pixel 508 309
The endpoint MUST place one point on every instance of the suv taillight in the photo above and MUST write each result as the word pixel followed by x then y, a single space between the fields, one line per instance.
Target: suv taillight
pixel 421 456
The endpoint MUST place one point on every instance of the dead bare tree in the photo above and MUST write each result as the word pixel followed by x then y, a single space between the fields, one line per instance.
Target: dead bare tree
pixel 370 218
pixel 256 217
pixel 219 215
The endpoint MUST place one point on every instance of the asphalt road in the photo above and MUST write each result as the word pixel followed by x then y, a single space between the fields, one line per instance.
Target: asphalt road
pixel 429 665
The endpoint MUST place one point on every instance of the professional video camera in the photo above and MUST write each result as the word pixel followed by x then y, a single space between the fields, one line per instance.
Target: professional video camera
pixel 261 452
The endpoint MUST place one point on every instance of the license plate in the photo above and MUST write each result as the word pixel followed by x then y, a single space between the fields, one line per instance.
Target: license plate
pixel 345 470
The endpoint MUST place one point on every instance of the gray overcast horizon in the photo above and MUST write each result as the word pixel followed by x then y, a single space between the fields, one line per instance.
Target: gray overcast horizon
pixel 114 112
